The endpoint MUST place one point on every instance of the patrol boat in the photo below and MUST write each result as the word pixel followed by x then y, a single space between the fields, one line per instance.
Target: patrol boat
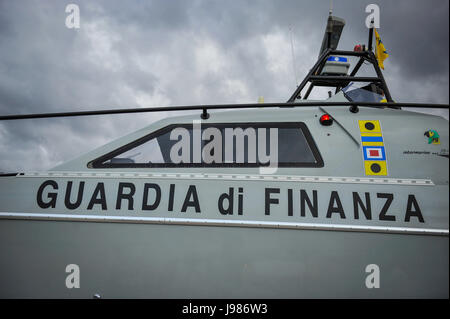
pixel 342 198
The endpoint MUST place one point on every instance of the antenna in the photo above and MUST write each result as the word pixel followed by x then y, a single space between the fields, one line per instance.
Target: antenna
pixel 293 57
pixel 329 29
pixel 333 31
pixel 370 35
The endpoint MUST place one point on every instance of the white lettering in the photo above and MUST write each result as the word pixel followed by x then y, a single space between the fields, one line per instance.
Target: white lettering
pixel 73 279
pixel 73 19
pixel 373 279
pixel 373 19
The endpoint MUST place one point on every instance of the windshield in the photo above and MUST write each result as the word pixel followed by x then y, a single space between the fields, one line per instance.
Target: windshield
pixel 219 145
pixel 362 92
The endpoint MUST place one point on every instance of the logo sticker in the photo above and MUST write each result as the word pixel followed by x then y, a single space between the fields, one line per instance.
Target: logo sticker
pixel 433 137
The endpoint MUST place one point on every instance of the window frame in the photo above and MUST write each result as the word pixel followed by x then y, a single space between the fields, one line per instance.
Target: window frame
pixel 98 162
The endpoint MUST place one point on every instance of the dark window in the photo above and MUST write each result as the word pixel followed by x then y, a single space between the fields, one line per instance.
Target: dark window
pixel 218 145
pixel 359 92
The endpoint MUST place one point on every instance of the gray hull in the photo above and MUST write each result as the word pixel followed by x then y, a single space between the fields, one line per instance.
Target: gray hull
pixel 119 260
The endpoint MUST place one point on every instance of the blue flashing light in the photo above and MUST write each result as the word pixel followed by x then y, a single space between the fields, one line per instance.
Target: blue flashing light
pixel 337 59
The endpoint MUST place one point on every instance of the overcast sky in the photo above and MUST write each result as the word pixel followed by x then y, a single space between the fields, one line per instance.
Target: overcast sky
pixel 158 53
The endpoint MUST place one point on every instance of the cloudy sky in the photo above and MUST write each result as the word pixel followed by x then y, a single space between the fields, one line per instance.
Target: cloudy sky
pixel 184 52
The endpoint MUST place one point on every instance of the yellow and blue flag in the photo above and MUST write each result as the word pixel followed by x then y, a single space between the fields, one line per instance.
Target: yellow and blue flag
pixel 380 50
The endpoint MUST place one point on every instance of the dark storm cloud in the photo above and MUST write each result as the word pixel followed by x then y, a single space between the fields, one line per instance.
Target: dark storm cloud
pixel 154 53
pixel 46 67
pixel 420 36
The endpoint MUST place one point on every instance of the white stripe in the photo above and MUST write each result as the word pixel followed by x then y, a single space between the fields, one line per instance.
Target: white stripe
pixel 222 222
pixel 250 177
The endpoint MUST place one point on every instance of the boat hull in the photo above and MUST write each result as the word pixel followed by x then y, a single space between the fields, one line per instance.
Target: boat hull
pixel 139 260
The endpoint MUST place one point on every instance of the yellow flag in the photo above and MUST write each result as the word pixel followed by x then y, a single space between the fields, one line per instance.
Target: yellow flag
pixel 380 50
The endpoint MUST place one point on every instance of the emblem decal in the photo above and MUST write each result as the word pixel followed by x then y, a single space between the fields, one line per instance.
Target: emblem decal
pixel 433 137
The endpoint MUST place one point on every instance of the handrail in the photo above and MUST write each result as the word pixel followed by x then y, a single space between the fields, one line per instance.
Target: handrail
pixel 204 108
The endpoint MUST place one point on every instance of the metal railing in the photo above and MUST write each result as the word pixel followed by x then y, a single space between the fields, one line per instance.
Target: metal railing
pixel 205 108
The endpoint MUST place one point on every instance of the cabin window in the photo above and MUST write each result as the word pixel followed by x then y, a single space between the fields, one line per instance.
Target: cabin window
pixel 219 145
